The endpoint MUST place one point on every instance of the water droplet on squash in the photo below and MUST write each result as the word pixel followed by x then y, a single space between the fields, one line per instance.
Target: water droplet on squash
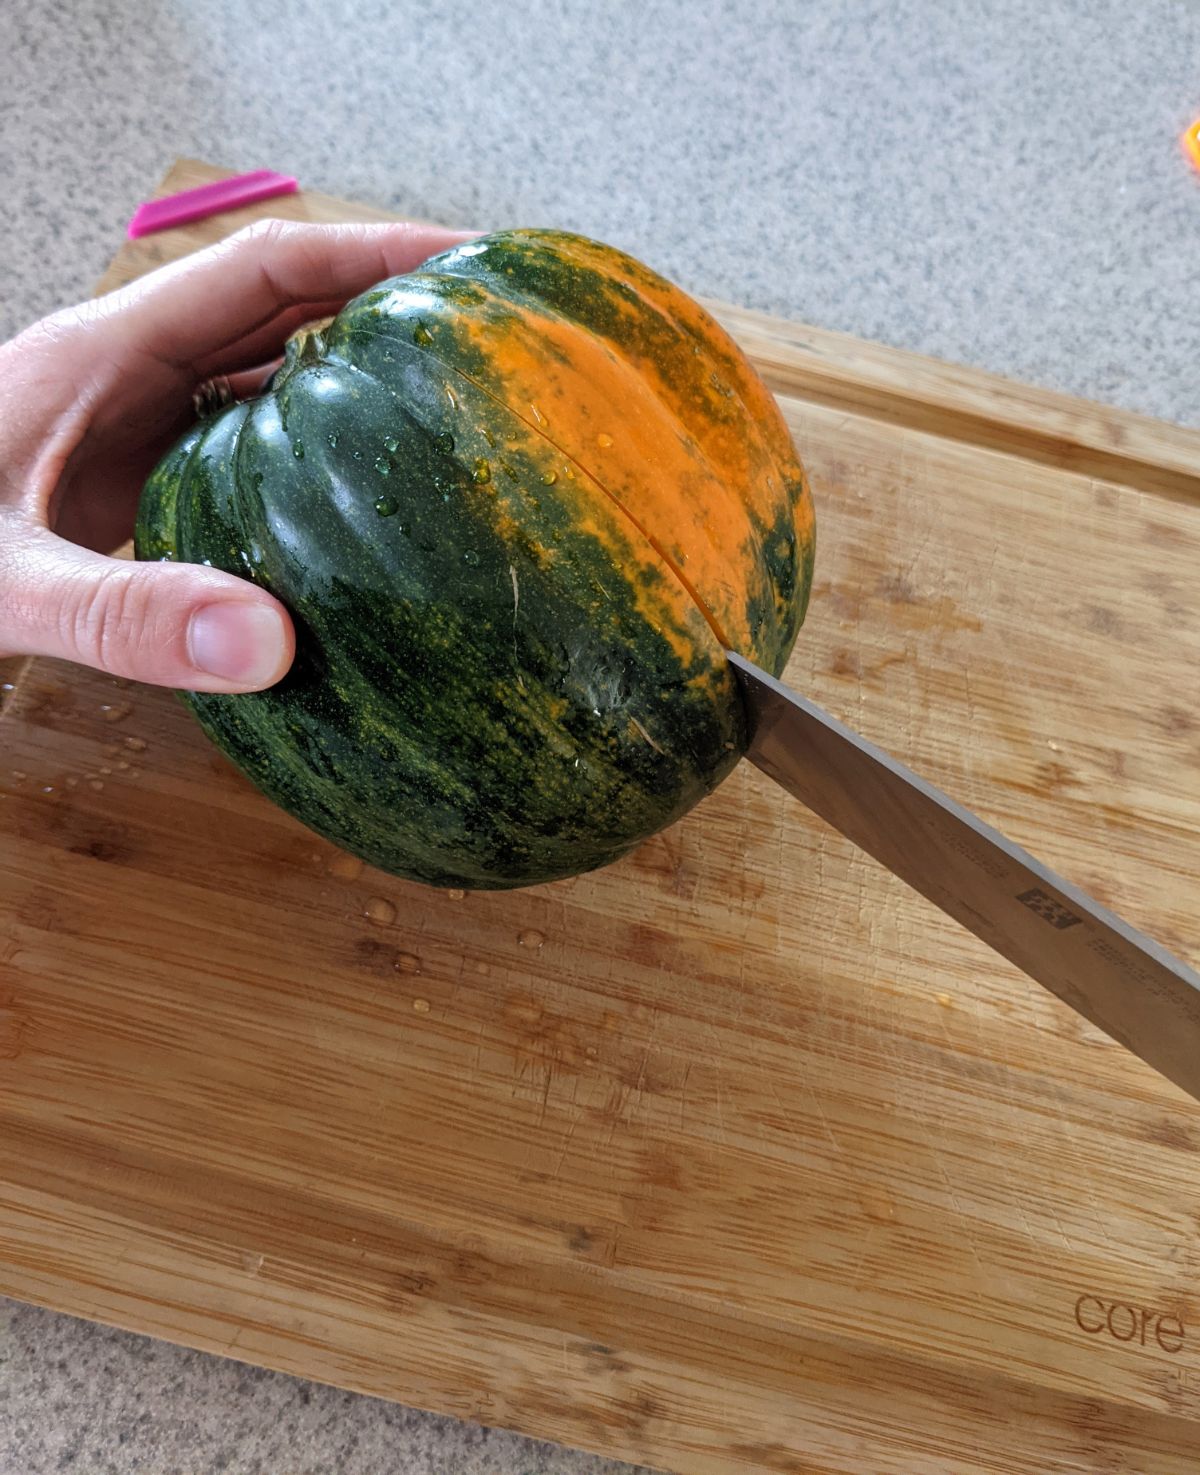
pixel 298 451
pixel 604 441
pixel 344 866
pixel 257 480
pixel 482 472
pixel 456 893
pixel 357 455
pixel 115 711
pixel 386 506
pixel 391 445
pixel 509 471
pixel 531 938
pixel 488 436
pixel 380 911
pixel 549 478
pixel 96 783
pixel 383 466
pixel 452 397
pixel 407 963
pixel 537 414
pixel 332 438
pixel 420 1006
pixel 135 744
pixel 422 337
pixel 443 442
pixel 471 558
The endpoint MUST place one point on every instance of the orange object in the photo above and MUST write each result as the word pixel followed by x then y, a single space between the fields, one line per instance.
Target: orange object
pixel 1191 142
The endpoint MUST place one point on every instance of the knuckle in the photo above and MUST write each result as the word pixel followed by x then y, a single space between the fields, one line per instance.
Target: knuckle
pixel 103 624
pixel 267 234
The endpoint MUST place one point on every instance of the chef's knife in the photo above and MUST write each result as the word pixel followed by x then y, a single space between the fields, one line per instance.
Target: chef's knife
pixel 1121 980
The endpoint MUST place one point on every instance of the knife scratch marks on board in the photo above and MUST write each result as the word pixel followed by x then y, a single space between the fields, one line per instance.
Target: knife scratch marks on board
pixel 855 1280
pixel 967 1232
pixel 683 1093
pixel 562 1155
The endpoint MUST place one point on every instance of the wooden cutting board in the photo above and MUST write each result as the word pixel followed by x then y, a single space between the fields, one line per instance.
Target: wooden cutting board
pixel 736 1156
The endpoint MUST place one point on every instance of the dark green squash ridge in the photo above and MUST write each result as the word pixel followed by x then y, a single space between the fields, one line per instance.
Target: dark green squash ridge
pixel 497 681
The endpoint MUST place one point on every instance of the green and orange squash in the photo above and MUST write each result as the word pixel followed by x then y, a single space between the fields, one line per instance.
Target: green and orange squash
pixel 518 503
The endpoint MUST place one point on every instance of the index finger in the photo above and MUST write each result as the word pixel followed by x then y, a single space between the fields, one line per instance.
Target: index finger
pixel 196 307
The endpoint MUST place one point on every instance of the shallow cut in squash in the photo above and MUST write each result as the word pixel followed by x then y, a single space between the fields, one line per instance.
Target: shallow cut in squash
pixel 518 503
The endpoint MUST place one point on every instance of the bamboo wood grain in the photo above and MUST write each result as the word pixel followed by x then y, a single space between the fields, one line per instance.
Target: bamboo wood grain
pixel 736 1156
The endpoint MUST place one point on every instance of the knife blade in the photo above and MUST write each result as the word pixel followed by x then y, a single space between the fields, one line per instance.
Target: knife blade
pixel 1112 974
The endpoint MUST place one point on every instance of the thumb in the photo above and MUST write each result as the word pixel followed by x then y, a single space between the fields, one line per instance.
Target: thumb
pixel 169 624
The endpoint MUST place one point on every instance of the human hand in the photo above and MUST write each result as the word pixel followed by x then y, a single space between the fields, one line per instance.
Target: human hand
pixel 92 396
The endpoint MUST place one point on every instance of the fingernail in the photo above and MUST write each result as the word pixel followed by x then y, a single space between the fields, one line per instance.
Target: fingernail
pixel 237 641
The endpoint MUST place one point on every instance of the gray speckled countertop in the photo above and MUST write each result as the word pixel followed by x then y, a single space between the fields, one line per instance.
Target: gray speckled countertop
pixel 997 185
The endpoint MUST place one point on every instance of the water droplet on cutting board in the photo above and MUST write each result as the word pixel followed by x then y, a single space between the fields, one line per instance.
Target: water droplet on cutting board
pixel 344 866
pixel 19 775
pixel 105 769
pixel 135 744
pixel 407 963
pixel 380 911
pixel 96 783
pixel 877 1203
pixel 72 781
pixel 122 765
pixel 115 711
pixel 420 1006
pixel 7 686
pixel 456 893
pixel 482 968
pixel 531 938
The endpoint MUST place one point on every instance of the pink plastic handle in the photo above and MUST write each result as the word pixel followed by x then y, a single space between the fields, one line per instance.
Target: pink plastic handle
pixel 208 199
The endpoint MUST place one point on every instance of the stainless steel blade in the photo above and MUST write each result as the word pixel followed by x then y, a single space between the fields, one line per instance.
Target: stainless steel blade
pixel 1121 980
